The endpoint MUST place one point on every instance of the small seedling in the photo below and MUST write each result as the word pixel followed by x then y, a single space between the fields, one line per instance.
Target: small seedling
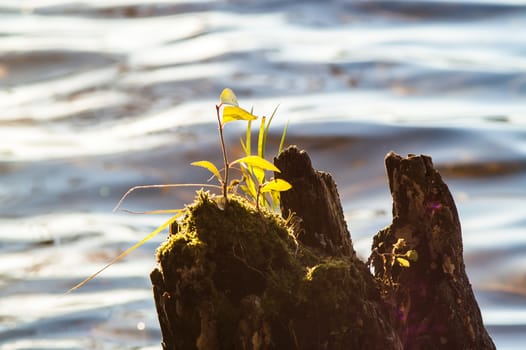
pixel 394 258
pixel 253 184
pixel 252 167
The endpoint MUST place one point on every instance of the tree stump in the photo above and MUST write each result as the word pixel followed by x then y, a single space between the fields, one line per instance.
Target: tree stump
pixel 432 302
pixel 315 200
pixel 238 278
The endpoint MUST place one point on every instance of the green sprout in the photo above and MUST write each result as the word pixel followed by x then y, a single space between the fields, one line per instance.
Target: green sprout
pixel 255 186
pixel 262 191
pixel 395 257
pixel 253 167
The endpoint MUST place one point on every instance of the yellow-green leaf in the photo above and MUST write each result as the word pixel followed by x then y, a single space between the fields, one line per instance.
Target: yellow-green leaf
pixel 412 255
pixel 210 166
pixel 228 97
pixel 403 262
pixel 259 174
pixel 261 138
pixel 231 113
pixel 257 162
pixel 250 187
pixel 275 196
pixel 282 141
pixel 244 146
pixel 279 185
pixel 248 146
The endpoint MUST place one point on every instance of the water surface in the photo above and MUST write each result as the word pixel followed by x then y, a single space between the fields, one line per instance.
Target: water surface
pixel 96 97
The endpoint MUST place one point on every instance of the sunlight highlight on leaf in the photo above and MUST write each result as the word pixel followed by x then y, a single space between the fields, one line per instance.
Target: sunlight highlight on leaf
pixel 258 162
pixel 210 166
pixel 403 262
pixel 259 174
pixel 279 185
pixel 228 97
pixel 231 113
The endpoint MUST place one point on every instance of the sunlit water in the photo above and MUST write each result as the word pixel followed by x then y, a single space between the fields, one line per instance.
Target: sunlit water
pixel 98 96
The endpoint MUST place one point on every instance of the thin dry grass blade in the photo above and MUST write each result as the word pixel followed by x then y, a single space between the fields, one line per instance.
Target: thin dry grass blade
pixel 129 250
pixel 160 186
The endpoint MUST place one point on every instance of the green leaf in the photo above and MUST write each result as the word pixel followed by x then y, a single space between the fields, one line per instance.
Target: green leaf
pixel 258 173
pixel 261 138
pixel 257 162
pixel 275 196
pixel 246 190
pixel 264 201
pixel 279 185
pixel 210 166
pixel 245 144
pixel 250 187
pixel 231 113
pixel 403 262
pixel 228 97
pixel 267 127
pixel 412 255
pixel 282 142
pixel 247 137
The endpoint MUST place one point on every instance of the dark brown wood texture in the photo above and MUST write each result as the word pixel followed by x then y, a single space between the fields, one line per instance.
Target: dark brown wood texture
pixel 433 303
pixel 314 198
pixel 331 300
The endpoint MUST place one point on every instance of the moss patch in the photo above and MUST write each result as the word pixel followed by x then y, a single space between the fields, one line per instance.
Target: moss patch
pixel 239 280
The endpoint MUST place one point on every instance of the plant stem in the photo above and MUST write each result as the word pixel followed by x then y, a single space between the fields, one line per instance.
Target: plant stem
pixel 225 157
pixel 257 197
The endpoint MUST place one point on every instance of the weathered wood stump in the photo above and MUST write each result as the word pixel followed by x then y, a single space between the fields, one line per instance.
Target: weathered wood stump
pixel 314 198
pixel 432 301
pixel 236 278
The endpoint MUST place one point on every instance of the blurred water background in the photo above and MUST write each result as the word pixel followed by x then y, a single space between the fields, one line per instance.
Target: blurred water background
pixel 99 96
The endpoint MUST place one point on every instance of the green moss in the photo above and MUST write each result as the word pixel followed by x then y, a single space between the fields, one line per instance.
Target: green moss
pixel 248 266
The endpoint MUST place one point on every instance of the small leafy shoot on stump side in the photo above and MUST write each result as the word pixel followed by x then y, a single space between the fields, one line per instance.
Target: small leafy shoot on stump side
pixel 253 183
pixel 393 258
